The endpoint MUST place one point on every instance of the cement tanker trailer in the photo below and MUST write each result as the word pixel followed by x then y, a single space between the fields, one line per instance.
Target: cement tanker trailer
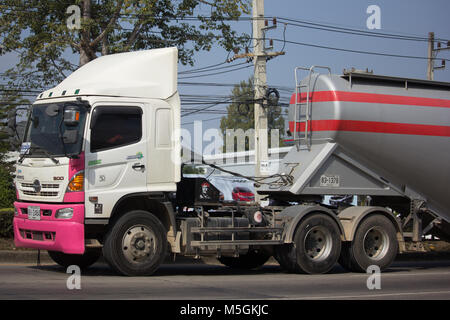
pixel 384 139
pixel 100 173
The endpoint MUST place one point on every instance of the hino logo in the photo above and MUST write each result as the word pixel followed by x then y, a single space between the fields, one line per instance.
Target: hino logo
pixel 37 186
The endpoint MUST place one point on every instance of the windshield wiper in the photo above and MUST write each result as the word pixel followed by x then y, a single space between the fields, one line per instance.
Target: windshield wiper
pixel 38 148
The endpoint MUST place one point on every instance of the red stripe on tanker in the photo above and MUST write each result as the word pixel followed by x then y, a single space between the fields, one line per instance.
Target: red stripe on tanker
pixel 323 96
pixel 374 126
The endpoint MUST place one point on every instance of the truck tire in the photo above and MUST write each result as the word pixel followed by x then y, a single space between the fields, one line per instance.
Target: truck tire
pixel 251 260
pixel 136 244
pixel 281 255
pixel 316 248
pixel 374 243
pixel 81 260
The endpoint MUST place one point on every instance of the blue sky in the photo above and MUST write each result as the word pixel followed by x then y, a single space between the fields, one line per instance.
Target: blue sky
pixel 406 17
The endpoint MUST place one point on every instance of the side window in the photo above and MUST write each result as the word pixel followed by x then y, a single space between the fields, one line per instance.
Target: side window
pixel 113 127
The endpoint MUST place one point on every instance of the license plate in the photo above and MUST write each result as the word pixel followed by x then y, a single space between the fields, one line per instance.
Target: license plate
pixel 329 181
pixel 34 213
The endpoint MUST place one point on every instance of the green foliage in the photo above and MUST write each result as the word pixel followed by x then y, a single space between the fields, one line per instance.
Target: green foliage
pixel 187 169
pixel 7 192
pixel 38 30
pixel 241 113
pixel 6 223
pixel 9 140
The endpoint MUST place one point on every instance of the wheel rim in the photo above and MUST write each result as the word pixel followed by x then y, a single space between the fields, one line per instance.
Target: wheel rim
pixel 376 243
pixel 318 243
pixel 139 244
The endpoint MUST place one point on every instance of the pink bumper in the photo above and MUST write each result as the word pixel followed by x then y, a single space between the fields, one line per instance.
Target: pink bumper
pixel 49 233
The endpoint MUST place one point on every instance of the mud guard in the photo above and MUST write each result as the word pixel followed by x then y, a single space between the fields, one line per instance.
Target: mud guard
pixel 292 216
pixel 351 218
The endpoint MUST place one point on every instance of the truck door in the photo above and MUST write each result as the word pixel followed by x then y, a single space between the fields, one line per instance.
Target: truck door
pixel 116 150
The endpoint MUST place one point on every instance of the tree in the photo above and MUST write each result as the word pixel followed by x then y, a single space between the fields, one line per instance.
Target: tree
pixel 41 34
pixel 240 115
pixel 191 169
pixel 7 192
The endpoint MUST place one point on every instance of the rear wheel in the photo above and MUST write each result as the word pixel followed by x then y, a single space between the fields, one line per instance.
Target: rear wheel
pixel 251 260
pixel 81 260
pixel 136 244
pixel 374 243
pixel 316 249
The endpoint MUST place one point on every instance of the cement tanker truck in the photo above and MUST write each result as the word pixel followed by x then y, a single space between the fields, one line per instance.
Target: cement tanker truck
pixel 100 173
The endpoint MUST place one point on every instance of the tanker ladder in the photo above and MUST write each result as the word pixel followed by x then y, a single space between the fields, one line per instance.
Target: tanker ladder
pixel 305 118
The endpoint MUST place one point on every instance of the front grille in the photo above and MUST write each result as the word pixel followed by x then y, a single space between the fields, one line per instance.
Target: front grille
pixel 44 212
pixel 47 189
pixel 45 185
pixel 37 235
pixel 27 185
pixel 40 194
pixel 50 186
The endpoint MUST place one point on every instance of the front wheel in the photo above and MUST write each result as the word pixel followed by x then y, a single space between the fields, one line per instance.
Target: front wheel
pixel 374 243
pixel 83 261
pixel 316 247
pixel 136 244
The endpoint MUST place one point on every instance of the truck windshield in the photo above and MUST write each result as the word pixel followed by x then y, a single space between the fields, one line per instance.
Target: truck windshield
pixel 48 134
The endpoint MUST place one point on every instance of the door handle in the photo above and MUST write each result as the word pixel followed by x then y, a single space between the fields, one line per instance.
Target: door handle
pixel 138 166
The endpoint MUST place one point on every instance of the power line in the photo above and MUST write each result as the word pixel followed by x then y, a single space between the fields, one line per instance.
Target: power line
pixel 202 68
pixel 289 21
pixel 215 104
pixel 353 51
pixel 216 73
pixel 215 118
pixel 331 28
pixel 217 84
pixel 208 69
pixel 202 109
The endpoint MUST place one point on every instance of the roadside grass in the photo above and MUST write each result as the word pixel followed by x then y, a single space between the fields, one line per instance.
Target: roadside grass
pixel 8 245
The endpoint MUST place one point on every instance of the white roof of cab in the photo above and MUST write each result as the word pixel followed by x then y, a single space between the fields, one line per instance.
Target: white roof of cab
pixel 146 74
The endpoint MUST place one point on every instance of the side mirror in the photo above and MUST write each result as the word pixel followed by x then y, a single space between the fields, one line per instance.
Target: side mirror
pixel 12 124
pixel 71 116
pixel 70 136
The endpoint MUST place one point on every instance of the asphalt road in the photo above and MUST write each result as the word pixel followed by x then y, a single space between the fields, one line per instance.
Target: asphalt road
pixel 404 280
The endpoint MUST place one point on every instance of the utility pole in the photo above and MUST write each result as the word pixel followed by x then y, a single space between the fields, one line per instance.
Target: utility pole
pixel 430 73
pixel 260 83
pixel 260 55
pixel 432 53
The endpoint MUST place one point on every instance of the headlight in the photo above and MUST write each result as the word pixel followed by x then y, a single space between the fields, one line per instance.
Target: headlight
pixel 77 182
pixel 66 213
pixel 16 212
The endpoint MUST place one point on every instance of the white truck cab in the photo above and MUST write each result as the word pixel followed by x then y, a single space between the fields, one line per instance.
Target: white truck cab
pixel 105 133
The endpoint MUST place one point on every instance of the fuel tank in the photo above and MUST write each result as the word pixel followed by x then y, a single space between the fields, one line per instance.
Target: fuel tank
pixel 397 128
